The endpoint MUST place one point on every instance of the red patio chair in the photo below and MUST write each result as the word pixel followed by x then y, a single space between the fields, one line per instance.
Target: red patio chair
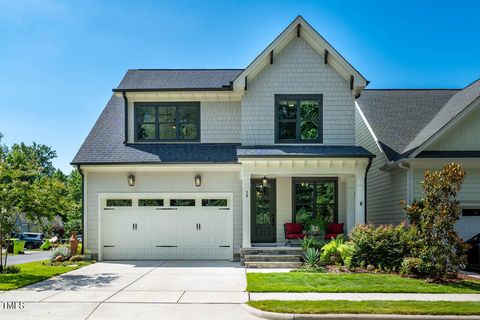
pixel 333 230
pixel 293 231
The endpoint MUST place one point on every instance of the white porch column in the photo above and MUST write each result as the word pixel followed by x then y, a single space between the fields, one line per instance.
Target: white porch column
pixel 246 237
pixel 350 203
pixel 360 198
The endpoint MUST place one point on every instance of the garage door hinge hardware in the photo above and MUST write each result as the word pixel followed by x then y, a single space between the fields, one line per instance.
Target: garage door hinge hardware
pixel 223 208
pixel 108 208
pixel 224 246
pixel 109 246
pixel 167 246
pixel 167 208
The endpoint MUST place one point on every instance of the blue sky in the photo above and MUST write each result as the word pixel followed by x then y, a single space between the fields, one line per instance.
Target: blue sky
pixel 59 60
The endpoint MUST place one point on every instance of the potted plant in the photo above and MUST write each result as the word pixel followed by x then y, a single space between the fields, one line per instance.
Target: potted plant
pixel 318 225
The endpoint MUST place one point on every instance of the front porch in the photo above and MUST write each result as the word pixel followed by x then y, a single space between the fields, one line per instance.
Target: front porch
pixel 276 191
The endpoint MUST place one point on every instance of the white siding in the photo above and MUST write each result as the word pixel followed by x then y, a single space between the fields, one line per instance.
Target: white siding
pixel 298 69
pixel 385 190
pixel 220 122
pixel 155 182
pixel 465 136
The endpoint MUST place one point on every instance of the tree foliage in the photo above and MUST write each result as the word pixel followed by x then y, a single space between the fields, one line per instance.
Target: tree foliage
pixel 29 184
pixel 438 249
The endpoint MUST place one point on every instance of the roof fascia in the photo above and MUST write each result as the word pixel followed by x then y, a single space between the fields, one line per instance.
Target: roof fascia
pixel 452 123
pixel 372 133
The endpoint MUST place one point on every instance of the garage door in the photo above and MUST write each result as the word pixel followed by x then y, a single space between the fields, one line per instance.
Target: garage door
pixel 167 227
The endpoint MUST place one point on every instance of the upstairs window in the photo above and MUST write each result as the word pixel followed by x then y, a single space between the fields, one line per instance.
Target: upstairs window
pixel 167 121
pixel 298 118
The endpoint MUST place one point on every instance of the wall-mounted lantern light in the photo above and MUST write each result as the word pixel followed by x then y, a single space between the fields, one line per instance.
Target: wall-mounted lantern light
pixel 131 180
pixel 264 181
pixel 198 180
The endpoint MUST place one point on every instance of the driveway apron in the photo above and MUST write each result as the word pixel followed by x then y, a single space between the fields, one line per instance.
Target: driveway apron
pixel 136 290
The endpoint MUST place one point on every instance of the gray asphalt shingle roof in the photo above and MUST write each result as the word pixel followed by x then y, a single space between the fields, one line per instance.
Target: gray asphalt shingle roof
pixel 304 151
pixel 403 120
pixel 178 79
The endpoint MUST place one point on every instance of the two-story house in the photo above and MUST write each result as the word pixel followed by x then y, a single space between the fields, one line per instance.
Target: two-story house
pixel 195 164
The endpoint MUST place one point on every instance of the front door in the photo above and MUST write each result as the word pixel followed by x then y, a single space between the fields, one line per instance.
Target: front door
pixel 263 211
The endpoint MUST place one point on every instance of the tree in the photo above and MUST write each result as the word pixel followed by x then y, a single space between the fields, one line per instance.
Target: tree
pixel 438 247
pixel 73 216
pixel 28 185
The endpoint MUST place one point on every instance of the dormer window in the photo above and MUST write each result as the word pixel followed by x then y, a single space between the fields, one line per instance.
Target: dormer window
pixel 298 118
pixel 167 121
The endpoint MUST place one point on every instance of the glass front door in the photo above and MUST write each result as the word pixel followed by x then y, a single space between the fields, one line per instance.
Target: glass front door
pixel 314 197
pixel 263 211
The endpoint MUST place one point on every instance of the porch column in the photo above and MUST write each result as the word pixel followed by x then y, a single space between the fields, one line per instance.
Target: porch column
pixel 350 203
pixel 360 198
pixel 246 237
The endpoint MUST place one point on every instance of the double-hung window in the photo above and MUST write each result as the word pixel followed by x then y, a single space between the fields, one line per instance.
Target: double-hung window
pixel 298 118
pixel 167 121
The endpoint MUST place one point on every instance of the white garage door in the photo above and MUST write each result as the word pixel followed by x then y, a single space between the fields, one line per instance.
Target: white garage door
pixel 167 227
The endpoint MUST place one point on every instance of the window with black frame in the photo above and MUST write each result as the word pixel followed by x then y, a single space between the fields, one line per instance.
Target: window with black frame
pixel 298 118
pixel 167 121
pixel 314 197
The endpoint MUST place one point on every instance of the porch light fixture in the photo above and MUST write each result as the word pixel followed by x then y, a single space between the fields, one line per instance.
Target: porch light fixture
pixel 264 181
pixel 131 180
pixel 198 180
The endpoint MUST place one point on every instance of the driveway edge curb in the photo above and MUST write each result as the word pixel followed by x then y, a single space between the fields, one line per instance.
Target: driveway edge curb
pixel 291 316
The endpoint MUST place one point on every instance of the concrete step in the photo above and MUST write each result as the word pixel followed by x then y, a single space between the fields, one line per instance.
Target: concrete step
pixel 271 251
pixel 273 257
pixel 272 264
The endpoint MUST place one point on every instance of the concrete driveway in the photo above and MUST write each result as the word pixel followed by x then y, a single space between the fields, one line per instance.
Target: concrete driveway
pixel 136 290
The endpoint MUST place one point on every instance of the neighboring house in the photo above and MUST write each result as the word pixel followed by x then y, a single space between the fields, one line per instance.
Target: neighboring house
pixel 22 224
pixel 195 164
pixel 411 131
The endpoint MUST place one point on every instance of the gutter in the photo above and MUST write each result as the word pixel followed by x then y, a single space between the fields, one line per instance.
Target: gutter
pixel 126 116
pixel 82 207
pixel 370 160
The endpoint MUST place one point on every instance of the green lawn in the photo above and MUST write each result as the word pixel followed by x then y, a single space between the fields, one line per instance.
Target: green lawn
pixel 33 272
pixel 351 282
pixel 377 307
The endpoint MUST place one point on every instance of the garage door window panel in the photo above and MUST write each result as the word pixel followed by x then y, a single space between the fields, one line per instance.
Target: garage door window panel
pixel 182 202
pixel 150 202
pixel 214 202
pixel 119 202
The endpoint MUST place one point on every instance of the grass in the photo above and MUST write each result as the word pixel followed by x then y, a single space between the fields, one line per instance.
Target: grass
pixel 351 282
pixel 372 307
pixel 33 272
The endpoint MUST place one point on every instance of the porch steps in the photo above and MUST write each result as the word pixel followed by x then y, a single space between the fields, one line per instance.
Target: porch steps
pixel 271 257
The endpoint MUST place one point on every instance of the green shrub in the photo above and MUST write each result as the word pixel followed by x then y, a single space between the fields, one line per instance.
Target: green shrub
pixel 11 269
pixel 411 266
pixel 438 246
pixel 346 254
pixel 330 251
pixel 311 242
pixel 383 247
pixel 60 254
pixel 312 258
pixel 78 257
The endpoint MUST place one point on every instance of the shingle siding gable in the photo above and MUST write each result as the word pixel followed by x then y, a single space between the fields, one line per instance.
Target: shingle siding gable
pixel 298 69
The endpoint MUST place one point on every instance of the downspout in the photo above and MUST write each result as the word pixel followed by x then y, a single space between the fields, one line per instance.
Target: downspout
pixel 407 168
pixel 370 160
pixel 126 116
pixel 82 207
